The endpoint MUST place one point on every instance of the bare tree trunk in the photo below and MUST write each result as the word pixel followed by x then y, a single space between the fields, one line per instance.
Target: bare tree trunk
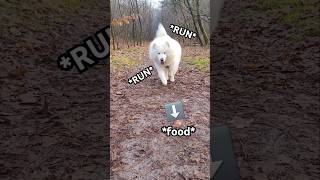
pixel 133 33
pixel 121 15
pixel 194 21
pixel 113 38
pixel 203 31
pixel 127 36
pixel 133 24
pixel 140 40
pixel 184 18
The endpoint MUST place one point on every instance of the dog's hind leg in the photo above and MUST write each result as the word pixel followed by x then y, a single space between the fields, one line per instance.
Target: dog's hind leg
pixel 166 71
pixel 172 71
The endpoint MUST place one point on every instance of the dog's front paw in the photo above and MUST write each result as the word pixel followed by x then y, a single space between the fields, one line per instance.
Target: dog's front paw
pixel 172 79
pixel 164 82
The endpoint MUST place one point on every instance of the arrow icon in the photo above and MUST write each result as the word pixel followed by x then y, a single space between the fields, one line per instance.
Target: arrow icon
pixel 175 114
pixel 174 111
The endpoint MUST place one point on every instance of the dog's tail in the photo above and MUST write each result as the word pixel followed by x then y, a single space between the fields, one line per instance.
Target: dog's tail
pixel 161 31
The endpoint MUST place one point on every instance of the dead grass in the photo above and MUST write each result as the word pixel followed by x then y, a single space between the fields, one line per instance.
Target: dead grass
pixel 127 57
pixel 122 60
pixel 194 56
pixel 201 63
pixel 197 57
pixel 301 14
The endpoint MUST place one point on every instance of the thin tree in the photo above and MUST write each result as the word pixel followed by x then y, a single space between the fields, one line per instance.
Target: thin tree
pixel 133 24
pixel 194 20
pixel 203 31
pixel 139 19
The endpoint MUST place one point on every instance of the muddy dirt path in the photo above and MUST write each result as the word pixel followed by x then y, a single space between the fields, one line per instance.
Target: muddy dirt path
pixel 266 89
pixel 139 150
pixel 53 123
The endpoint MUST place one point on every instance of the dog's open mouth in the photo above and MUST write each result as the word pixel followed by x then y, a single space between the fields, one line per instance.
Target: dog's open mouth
pixel 162 62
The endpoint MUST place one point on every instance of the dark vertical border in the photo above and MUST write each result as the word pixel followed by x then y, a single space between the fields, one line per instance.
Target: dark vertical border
pixel 54 124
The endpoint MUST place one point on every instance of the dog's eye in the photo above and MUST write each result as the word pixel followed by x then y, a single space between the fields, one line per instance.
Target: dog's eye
pixel 164 53
pixel 158 53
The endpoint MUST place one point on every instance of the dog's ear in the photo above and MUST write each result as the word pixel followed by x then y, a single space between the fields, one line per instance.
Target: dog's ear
pixel 167 44
pixel 154 46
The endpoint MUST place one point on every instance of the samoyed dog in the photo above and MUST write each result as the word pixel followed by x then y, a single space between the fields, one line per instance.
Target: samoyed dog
pixel 165 53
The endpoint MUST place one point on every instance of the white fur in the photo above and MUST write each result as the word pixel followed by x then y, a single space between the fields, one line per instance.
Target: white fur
pixel 169 50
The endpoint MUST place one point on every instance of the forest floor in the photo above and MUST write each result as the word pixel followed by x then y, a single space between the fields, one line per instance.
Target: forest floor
pixel 265 88
pixel 53 122
pixel 139 150
pixel 265 67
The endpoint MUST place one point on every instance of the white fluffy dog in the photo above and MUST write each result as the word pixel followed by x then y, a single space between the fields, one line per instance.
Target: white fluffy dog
pixel 165 52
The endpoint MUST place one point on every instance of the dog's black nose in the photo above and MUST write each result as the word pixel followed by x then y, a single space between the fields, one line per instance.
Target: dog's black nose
pixel 161 60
